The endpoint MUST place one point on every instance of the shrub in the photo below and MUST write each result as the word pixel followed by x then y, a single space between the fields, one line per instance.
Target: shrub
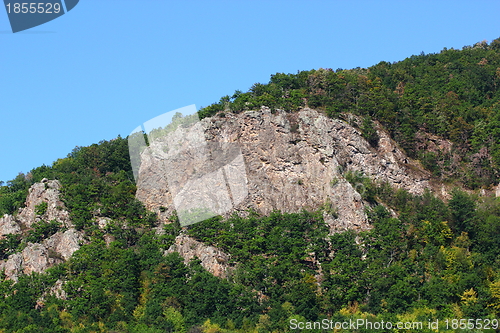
pixel 41 208
pixel 42 230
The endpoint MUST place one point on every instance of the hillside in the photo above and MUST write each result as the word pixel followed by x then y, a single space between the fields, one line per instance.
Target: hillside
pixel 367 194
pixel 440 108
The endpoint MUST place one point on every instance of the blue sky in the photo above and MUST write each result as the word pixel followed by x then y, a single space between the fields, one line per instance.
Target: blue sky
pixel 108 66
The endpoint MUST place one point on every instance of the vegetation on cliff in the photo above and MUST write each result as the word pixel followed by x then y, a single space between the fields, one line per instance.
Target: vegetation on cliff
pixel 453 94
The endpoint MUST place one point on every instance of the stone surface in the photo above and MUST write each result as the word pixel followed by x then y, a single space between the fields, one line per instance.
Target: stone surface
pixel 37 257
pixel 45 191
pixel 292 161
pixel 58 291
pixel 64 244
pixel 212 259
pixel 8 225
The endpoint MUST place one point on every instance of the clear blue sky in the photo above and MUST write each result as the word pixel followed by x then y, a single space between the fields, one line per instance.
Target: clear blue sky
pixel 109 65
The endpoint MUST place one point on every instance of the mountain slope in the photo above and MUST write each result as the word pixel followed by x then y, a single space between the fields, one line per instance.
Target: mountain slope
pixel 386 179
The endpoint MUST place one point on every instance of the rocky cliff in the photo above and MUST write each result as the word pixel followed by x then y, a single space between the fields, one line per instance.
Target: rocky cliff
pixel 291 161
pixel 212 259
pixel 37 257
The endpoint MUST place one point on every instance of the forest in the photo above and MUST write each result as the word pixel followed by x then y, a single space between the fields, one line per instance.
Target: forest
pixel 436 260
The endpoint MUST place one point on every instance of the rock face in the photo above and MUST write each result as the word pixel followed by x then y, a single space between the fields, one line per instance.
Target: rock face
pixel 293 161
pixel 37 257
pixel 212 259
pixel 8 225
pixel 47 192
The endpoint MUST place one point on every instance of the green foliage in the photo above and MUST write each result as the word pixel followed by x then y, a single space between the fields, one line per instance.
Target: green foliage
pixel 9 245
pixel 173 316
pixel 276 254
pixel 14 194
pixel 342 285
pixel 362 184
pixel 41 208
pixel 98 180
pixel 42 230
pixel 406 265
pixel 330 209
pixel 171 230
pixel 463 211
pixel 334 181
pixel 429 161
pixel 369 132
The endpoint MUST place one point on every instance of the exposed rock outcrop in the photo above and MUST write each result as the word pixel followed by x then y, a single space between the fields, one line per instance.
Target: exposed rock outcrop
pixel 212 259
pixel 292 161
pixel 8 225
pixel 37 257
pixel 47 192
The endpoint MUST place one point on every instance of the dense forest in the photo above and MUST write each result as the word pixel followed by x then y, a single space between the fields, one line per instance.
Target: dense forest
pixel 436 260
